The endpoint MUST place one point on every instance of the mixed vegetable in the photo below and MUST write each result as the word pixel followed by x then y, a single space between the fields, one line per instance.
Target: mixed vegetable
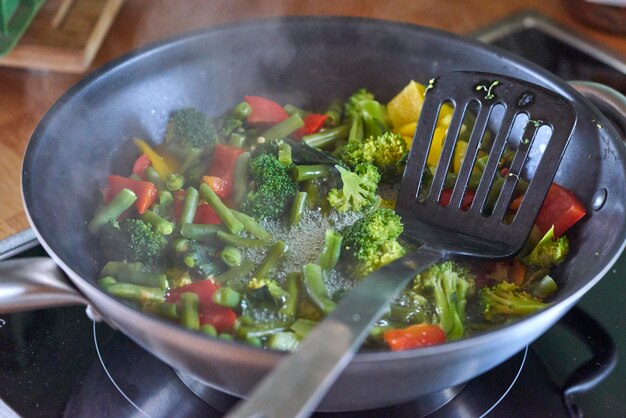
pixel 252 226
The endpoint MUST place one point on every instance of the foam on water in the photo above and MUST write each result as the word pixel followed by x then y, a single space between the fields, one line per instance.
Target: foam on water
pixel 304 244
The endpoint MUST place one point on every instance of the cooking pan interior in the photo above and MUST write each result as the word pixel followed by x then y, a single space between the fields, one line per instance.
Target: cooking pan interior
pixel 304 61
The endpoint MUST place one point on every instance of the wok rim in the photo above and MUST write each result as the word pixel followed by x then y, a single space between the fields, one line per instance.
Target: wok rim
pixel 128 59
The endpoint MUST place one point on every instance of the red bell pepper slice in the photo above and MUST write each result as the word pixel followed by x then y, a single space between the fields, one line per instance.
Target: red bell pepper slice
pixel 220 186
pixel 205 214
pixel 312 124
pixel 414 336
pixel 466 201
pixel 146 191
pixel 220 317
pixel 264 111
pixel 561 209
pixel 223 164
pixel 203 288
pixel 141 163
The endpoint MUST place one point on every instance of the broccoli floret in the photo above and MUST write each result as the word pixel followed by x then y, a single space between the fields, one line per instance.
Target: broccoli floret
pixel 372 240
pixel 373 115
pixel 201 259
pixel 507 299
pixel 358 192
pixel 410 308
pixel 229 124
pixel 385 151
pixel 132 240
pixel 450 284
pixel 548 252
pixel 191 129
pixel 275 188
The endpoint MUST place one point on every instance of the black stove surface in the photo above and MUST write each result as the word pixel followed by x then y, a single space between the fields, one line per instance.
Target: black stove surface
pixel 56 362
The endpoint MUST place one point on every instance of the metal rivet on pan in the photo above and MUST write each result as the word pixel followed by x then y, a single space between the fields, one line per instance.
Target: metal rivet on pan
pixel 599 198
pixel 526 99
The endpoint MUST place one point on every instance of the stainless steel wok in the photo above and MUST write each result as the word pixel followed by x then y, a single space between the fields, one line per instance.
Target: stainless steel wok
pixel 87 134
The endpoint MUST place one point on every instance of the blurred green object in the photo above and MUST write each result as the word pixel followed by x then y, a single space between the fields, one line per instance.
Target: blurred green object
pixel 15 16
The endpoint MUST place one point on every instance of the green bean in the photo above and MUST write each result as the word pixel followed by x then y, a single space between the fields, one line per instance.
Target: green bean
pixel 316 289
pixel 192 158
pixel 107 281
pixel 162 225
pixel 313 192
pixel 327 138
pixel 238 241
pixel 224 213
pixel 165 198
pixel 292 284
pixel 199 232
pixel 297 208
pixel 113 268
pixel 225 296
pixel 136 292
pixel 209 330
pixel 291 109
pixel 235 273
pixel 333 113
pixel 284 154
pixel 303 326
pixel 174 181
pixel 226 337
pixel 271 260
pixel 120 203
pixel 153 177
pixel 189 315
pixel 242 110
pixel 481 162
pixel 189 206
pixel 231 256
pixel 143 278
pixel 164 310
pixel 283 128
pixel 310 172
pixel 329 257
pixel 543 288
pixel 472 184
pixel 242 177
pixel 181 245
pixel 252 226
pixel 237 140
pixel 262 329
pixel 494 192
pixel 283 341
pixel 136 177
pixel 254 341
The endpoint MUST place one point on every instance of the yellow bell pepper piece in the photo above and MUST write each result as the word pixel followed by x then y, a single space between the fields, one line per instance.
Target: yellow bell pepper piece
pixel 435 146
pixel 406 106
pixel 459 154
pixel 163 166
pixel 407 130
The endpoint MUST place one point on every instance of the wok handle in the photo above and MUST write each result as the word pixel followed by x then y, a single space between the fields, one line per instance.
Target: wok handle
pixel 604 359
pixel 35 283
pixel 608 100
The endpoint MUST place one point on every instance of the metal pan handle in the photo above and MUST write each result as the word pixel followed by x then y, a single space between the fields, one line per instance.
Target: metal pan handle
pixel 35 283
pixel 608 100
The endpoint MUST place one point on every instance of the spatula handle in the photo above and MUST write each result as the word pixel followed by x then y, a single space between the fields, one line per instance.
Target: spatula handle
pixel 299 382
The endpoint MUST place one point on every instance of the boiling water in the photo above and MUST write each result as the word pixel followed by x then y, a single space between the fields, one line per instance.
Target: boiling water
pixel 304 244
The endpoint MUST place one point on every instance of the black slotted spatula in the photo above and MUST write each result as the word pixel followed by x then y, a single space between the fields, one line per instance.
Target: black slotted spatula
pixel 481 229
